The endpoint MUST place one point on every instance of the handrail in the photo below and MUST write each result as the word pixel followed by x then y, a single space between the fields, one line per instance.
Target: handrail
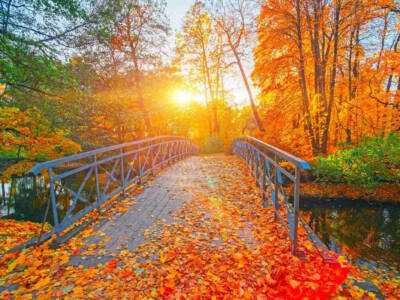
pixel 110 171
pixel 39 167
pixel 264 162
pixel 302 164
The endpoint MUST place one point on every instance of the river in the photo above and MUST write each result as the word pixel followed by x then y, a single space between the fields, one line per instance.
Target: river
pixel 365 232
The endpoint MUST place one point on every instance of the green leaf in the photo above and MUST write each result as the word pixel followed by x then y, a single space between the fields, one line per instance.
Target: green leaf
pixel 68 289
pixel 139 271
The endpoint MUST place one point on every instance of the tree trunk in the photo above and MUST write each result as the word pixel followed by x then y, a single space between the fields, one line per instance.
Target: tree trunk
pixel 207 102
pixel 134 58
pixel 246 83
pixel 7 17
pixel 389 83
pixel 332 84
pixel 303 82
pixel 142 107
pixel 3 192
pixel 213 101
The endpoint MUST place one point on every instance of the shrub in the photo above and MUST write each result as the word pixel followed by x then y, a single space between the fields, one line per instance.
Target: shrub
pixel 211 144
pixel 375 160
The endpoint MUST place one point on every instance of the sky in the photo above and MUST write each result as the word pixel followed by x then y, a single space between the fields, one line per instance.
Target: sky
pixel 176 10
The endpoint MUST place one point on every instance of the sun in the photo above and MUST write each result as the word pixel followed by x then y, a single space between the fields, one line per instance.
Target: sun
pixel 183 97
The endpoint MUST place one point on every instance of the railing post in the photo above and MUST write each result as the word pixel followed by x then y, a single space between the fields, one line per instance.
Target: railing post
pixel 255 164
pixel 96 172
pixel 151 156
pixel 140 167
pixel 121 152
pixel 296 208
pixel 54 203
pixel 256 168
pixel 178 150
pixel 275 195
pixel 251 162
pixel 169 146
pixel 164 147
pixel 263 184
pixel 173 150
pixel 162 156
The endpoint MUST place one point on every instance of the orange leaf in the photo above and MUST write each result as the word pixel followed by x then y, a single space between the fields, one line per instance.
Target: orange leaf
pixel 111 265
pixel 170 283
pixel 294 283
pixel 41 283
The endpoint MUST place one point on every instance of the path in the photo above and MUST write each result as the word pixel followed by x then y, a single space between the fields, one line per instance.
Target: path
pixel 198 230
pixel 160 199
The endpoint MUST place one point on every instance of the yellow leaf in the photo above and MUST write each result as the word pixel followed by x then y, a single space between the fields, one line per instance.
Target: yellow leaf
pixel 78 291
pixel 41 283
pixel 19 260
pixel 214 277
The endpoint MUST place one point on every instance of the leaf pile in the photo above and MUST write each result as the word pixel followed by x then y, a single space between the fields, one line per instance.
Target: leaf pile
pixel 13 233
pixel 222 244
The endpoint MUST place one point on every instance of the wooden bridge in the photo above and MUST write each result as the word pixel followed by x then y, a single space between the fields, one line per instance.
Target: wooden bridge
pixel 153 219
pixel 81 183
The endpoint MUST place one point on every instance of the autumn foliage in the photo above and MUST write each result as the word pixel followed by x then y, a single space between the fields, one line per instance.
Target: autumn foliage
pixel 29 138
pixel 13 233
pixel 328 72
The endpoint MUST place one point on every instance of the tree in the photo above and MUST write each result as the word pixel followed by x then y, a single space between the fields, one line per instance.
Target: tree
pixel 311 59
pixel 236 20
pixel 28 59
pixel 141 37
pixel 28 138
pixel 197 41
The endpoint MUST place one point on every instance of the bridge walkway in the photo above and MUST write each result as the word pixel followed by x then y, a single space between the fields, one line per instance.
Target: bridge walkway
pixel 140 217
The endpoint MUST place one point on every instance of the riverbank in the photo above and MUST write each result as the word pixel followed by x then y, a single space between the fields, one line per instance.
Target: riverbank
pixel 387 193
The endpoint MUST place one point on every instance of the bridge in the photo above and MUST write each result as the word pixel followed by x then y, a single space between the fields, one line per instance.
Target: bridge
pixel 156 213
pixel 114 171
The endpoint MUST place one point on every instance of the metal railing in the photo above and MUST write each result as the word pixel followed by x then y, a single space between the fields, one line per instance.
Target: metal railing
pixel 82 182
pixel 265 163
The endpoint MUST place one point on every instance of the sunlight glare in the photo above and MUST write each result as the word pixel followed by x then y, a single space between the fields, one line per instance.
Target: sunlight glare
pixel 183 97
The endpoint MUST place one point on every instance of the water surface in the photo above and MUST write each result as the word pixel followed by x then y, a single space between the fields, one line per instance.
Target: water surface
pixel 367 233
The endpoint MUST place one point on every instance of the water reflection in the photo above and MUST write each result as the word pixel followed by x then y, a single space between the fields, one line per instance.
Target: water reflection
pixel 24 199
pixel 364 232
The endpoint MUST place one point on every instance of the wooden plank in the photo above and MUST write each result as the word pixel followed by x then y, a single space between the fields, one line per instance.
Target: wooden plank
pixel 154 203
pixel 166 194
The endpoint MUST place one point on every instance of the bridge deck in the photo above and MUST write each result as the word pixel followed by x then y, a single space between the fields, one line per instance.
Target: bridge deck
pixel 198 230
pixel 142 216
